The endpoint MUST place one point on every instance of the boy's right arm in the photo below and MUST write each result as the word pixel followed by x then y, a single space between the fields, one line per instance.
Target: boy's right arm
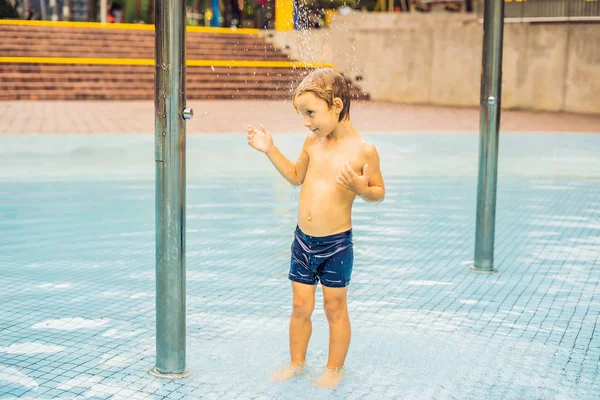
pixel 294 173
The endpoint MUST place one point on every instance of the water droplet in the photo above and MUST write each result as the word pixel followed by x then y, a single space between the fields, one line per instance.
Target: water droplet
pixel 212 67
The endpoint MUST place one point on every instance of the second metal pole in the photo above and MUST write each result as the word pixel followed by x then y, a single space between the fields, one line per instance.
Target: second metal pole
pixel 170 140
pixel 491 88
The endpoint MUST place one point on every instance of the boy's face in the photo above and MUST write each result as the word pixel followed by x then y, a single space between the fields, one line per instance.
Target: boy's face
pixel 318 117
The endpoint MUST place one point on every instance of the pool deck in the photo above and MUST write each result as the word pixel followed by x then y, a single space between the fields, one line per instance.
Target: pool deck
pixel 233 116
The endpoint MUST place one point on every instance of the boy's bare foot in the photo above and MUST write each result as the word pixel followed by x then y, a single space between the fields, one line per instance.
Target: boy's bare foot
pixel 287 372
pixel 330 378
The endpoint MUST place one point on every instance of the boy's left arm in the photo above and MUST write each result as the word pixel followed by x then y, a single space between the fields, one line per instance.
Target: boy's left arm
pixel 375 188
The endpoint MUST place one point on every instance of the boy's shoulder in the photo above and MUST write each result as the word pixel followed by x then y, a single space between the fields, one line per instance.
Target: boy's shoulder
pixel 310 140
pixel 366 147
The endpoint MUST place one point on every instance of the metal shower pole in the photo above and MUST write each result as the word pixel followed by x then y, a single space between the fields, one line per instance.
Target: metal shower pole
pixel 170 140
pixel 491 88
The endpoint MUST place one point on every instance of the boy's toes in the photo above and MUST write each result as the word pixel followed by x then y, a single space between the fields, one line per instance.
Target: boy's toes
pixel 331 378
pixel 287 372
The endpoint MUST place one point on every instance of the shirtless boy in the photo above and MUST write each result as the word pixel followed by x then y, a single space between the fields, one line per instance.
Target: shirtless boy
pixel 336 165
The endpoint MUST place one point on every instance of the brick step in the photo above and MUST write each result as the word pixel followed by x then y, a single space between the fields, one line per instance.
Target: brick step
pixel 136 90
pixel 36 71
pixel 119 81
pixel 138 77
pixel 8 96
pixel 8 67
pixel 10 31
pixel 133 85
pixel 17 43
pixel 142 53
pixel 136 95
pixel 126 42
pixel 124 87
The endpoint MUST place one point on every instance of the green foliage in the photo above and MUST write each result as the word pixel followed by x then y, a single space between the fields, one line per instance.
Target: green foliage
pixel 7 11
pixel 129 11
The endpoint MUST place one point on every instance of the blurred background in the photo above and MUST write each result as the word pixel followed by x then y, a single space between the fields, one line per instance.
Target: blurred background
pixel 425 52
pixel 260 13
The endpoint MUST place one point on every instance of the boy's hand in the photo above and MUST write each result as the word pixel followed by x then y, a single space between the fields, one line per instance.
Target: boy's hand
pixel 261 141
pixel 348 179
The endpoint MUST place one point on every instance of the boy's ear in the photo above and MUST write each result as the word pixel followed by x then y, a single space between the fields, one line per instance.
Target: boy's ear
pixel 338 105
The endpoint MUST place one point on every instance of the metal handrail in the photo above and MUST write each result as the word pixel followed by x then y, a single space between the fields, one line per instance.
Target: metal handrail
pixel 548 10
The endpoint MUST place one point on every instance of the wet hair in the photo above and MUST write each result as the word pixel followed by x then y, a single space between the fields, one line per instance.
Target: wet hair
pixel 326 84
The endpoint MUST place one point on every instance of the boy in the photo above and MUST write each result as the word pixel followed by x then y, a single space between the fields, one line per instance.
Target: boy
pixel 336 164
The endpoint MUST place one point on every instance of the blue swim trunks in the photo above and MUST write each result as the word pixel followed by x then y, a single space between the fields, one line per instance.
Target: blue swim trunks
pixel 328 259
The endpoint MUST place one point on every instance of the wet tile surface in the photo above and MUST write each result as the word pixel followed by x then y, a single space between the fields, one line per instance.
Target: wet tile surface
pixel 78 272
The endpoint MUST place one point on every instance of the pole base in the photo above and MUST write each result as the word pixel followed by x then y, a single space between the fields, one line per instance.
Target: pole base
pixel 483 271
pixel 178 375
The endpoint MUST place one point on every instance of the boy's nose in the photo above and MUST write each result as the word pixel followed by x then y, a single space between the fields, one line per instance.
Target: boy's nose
pixel 306 122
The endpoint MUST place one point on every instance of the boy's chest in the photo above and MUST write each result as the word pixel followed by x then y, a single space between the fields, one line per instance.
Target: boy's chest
pixel 327 163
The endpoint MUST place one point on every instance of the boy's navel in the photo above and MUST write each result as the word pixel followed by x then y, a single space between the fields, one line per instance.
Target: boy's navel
pixel 309 218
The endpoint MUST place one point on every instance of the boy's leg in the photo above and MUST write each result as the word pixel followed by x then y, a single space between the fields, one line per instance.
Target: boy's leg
pixel 300 330
pixel 300 323
pixel 336 309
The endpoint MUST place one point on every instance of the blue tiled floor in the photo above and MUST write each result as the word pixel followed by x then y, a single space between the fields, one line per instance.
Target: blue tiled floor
pixel 77 267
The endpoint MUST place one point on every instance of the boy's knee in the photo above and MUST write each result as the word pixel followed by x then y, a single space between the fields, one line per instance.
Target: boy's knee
pixel 335 310
pixel 302 308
